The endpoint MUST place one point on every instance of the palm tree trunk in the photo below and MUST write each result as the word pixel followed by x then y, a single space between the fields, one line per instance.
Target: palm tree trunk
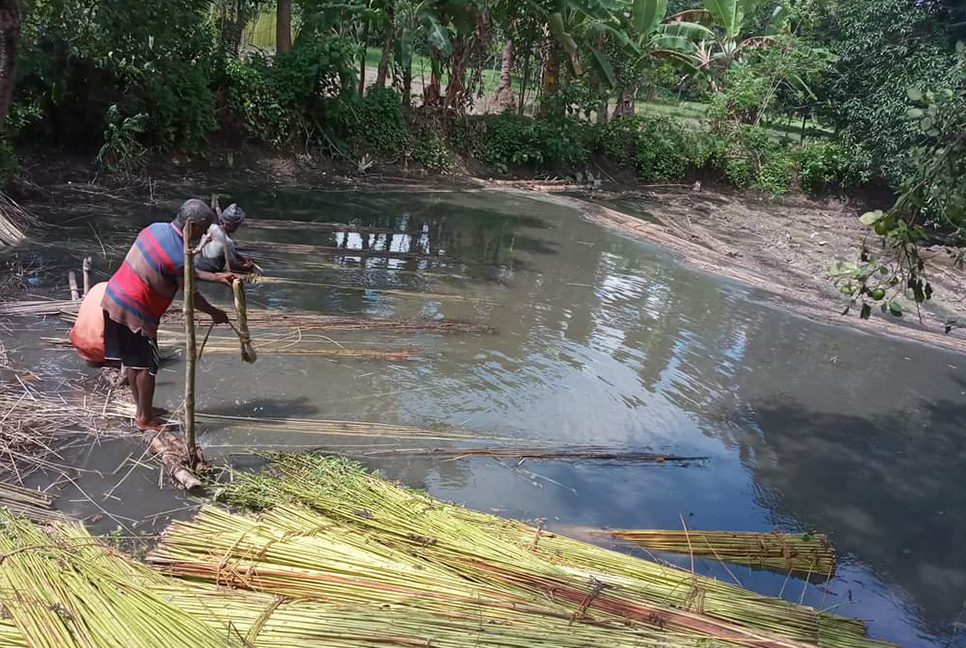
pixel 457 74
pixel 9 35
pixel 504 94
pixel 431 93
pixel 383 70
pixel 283 27
pixel 523 85
pixel 551 76
pixel 408 84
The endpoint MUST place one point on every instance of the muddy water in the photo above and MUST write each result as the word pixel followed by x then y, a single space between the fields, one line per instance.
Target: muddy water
pixel 604 341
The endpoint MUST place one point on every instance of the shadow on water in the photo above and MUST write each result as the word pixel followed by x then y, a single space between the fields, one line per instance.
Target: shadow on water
pixel 887 487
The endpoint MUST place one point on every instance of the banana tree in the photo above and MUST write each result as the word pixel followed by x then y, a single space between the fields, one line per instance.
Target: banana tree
pixel 653 37
pixel 574 29
pixel 635 30
pixel 354 19
pixel 731 19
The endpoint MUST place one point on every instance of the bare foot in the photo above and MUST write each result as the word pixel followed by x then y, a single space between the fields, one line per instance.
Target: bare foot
pixel 153 425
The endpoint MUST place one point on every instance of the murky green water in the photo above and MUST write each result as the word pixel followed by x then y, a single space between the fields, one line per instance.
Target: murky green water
pixel 605 341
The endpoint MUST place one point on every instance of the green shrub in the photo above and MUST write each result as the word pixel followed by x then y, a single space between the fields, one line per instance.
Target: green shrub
pixel 658 147
pixel 18 118
pixel 513 140
pixel 382 124
pixel 467 136
pixel 431 152
pixel 180 110
pixel 739 172
pixel 774 175
pixel 122 153
pixel 822 166
pixel 289 97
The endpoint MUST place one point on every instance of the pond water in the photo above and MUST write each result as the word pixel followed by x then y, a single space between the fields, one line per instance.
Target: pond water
pixel 604 341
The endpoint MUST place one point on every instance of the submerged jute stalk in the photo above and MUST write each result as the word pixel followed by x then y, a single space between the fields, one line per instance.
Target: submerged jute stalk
pixel 241 310
pixel 808 554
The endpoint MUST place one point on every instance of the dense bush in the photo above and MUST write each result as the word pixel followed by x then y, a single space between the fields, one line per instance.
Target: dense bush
pixel 883 48
pixel 430 151
pixel 513 141
pixel 122 153
pixel 822 166
pixel 290 97
pixel 659 148
pixel 382 123
pixel 77 59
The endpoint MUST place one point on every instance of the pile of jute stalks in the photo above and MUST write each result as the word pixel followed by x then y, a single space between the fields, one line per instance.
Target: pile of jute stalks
pixel 329 555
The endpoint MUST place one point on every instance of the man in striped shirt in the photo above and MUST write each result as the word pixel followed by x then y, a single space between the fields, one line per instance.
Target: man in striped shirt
pixel 141 291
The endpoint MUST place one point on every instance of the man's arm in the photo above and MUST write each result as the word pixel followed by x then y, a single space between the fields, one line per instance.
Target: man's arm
pixel 217 277
pixel 219 316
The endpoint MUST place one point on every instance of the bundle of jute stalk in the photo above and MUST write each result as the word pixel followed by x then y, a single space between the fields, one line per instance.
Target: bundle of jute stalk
pixel 484 552
pixel 266 621
pixel 241 310
pixel 809 554
pixel 66 590
pixel 73 591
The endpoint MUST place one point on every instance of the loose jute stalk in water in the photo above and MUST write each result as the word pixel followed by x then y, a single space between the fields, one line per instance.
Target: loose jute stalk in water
pixel 803 553
pixel 241 309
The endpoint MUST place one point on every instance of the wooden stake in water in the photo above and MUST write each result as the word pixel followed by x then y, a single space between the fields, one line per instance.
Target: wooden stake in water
pixel 86 267
pixel 190 351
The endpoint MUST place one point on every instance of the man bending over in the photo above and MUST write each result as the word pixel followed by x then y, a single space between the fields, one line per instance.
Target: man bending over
pixel 141 291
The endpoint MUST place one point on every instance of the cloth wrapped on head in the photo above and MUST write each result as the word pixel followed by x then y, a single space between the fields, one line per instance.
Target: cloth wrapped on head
pixel 233 215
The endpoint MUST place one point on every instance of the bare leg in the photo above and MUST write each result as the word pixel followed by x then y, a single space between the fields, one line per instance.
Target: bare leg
pixel 128 375
pixel 143 385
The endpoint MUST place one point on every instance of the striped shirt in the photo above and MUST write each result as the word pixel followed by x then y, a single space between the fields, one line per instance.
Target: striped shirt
pixel 144 286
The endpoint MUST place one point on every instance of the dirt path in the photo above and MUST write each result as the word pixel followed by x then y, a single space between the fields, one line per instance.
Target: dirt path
pixel 783 248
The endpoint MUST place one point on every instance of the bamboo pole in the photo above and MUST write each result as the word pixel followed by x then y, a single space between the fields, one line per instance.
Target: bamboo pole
pixel 190 351
pixel 74 290
pixel 86 267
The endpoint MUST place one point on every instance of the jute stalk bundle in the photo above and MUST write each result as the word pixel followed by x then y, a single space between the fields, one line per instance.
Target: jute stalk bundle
pixel 302 248
pixel 265 318
pixel 407 294
pixel 241 310
pixel 65 590
pixel 808 554
pixel 289 551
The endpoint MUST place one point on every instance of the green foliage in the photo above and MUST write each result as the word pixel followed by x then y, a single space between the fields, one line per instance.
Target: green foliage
pixel 823 166
pixel 19 117
pixel 774 175
pixel 122 153
pixel 933 202
pixel 658 147
pixel 430 151
pixel 883 47
pixel 517 141
pixel 382 123
pixel 77 59
pixel 289 98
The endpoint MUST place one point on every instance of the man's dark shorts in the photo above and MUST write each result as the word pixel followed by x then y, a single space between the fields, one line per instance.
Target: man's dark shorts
pixel 132 350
